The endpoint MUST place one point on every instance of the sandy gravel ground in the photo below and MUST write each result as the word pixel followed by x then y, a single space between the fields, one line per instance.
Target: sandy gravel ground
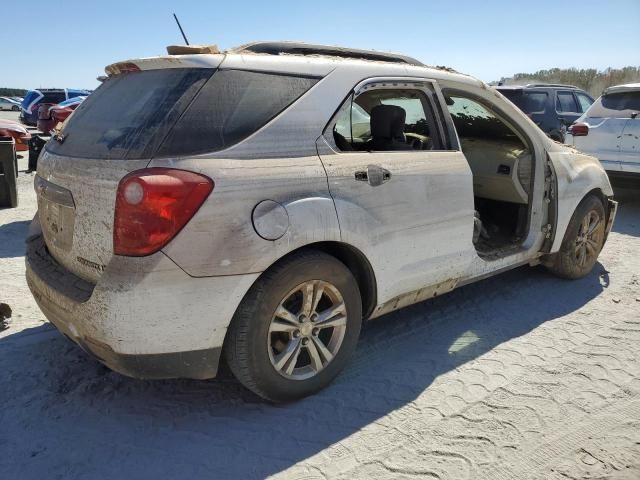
pixel 519 376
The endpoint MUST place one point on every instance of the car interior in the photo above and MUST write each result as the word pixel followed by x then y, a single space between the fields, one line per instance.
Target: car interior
pixel 386 120
pixel 501 163
pixel 500 160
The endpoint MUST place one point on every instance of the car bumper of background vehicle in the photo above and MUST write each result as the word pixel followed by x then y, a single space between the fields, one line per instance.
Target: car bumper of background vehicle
pixel 180 339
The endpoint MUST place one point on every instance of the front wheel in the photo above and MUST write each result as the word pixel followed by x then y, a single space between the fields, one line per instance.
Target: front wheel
pixel 582 241
pixel 296 328
pixel 15 108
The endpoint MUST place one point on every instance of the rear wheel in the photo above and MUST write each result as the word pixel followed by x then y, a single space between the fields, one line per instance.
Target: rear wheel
pixel 582 242
pixel 296 328
pixel 15 108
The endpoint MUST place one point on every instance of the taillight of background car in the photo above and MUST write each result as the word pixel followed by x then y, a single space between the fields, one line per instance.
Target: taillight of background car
pixel 579 129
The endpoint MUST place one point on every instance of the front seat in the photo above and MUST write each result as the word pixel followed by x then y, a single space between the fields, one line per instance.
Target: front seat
pixel 387 128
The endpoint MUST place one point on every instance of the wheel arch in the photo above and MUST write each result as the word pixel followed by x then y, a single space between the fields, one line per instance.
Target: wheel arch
pixel 354 260
pixel 577 176
pixel 596 192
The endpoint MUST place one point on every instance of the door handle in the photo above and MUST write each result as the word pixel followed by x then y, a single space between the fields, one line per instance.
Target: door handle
pixel 373 175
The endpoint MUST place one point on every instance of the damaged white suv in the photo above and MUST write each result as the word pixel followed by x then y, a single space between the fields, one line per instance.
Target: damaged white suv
pixel 258 204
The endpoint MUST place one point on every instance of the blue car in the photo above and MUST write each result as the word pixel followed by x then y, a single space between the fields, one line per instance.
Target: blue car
pixel 33 99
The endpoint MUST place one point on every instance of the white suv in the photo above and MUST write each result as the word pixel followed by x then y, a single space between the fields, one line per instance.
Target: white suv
pixel 610 129
pixel 258 204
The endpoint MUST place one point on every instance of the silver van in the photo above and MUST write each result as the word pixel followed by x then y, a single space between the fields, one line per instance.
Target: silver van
pixel 257 205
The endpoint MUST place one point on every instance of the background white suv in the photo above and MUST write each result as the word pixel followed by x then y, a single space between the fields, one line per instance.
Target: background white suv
pixel 610 129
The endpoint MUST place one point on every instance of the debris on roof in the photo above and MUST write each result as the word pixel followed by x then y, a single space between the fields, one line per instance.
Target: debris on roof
pixel 191 49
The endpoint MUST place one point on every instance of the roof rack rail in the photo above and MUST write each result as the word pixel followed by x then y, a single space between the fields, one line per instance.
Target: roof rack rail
pixel 295 48
pixel 559 85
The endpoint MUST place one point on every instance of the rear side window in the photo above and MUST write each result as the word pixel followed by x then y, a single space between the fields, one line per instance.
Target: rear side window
pixel 129 115
pixel 584 101
pixel 383 119
pixel 232 105
pixel 566 102
pixel 528 102
pixel 615 105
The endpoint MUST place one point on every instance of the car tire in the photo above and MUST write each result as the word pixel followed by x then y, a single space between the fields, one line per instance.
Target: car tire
pixel 285 357
pixel 15 108
pixel 582 241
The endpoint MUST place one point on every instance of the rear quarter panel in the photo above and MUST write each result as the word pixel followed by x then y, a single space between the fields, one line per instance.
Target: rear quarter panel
pixel 279 162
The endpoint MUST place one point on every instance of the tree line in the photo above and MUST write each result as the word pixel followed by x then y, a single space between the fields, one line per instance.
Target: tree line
pixel 589 79
pixel 12 92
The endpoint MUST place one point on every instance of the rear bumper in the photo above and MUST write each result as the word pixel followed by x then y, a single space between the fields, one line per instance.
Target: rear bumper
pixel 130 321
pixel 197 364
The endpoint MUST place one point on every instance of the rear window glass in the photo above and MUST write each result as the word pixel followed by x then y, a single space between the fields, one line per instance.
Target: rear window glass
pixel 175 112
pixel 615 105
pixel 53 97
pixel 230 107
pixel 128 115
pixel 528 102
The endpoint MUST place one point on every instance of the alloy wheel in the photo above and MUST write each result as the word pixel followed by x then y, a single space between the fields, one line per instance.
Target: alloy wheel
pixel 307 330
pixel 589 239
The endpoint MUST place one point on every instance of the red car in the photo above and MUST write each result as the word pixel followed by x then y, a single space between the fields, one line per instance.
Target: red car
pixel 18 132
pixel 50 115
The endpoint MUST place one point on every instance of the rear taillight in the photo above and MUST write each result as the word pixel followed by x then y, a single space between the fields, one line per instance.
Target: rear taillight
pixel 579 129
pixel 152 206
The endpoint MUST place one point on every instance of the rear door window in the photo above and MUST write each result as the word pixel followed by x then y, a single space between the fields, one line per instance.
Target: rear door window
pixel 565 102
pixel 386 120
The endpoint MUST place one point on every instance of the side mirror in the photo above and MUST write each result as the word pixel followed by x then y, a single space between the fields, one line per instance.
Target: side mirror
pixel 579 129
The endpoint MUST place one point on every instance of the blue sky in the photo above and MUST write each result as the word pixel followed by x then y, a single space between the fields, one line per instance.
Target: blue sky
pixel 488 39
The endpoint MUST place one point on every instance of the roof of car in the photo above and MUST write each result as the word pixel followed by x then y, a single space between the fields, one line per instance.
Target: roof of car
pixel 299 48
pixel 628 87
pixel 297 58
pixel 536 85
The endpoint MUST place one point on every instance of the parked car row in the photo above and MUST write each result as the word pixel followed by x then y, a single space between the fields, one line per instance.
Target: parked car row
pixel 9 103
pixel 29 110
pixel 51 115
pixel 608 128
pixel 552 107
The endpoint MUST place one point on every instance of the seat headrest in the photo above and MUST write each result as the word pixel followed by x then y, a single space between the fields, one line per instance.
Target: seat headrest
pixel 387 121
